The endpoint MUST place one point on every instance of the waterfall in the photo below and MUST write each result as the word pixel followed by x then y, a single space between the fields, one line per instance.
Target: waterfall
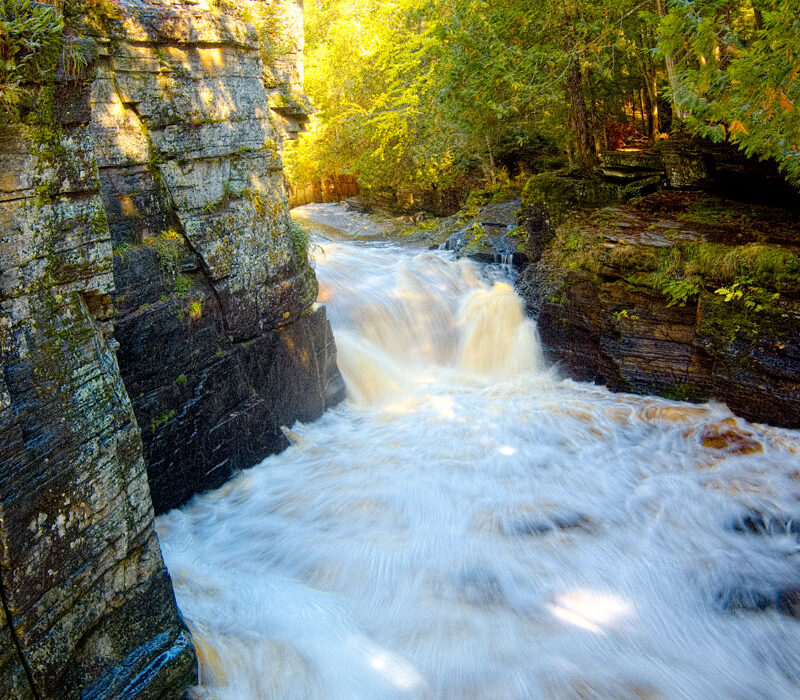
pixel 470 525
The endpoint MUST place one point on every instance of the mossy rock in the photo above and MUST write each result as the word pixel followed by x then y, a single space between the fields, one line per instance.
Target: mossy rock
pixel 559 193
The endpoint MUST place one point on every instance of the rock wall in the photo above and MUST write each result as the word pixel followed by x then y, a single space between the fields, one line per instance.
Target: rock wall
pixel 157 324
pixel 221 343
pixel 87 605
pixel 681 294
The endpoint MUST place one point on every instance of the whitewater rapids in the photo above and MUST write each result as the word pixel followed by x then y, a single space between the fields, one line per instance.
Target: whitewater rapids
pixel 470 525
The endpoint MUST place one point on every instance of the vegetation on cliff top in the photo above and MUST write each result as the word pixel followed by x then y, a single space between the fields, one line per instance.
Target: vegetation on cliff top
pixel 33 41
pixel 422 94
pixel 751 278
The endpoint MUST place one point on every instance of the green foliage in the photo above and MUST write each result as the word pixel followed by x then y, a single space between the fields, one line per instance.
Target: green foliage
pixel 180 380
pixel 169 248
pixel 425 93
pixel 736 69
pixel 749 296
pixel 678 292
pixel 300 240
pixel 183 285
pixel 30 44
pixel 624 314
pixel 77 54
pixel 121 251
pixel 161 421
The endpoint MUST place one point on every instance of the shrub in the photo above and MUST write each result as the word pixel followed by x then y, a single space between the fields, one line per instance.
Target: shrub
pixel 30 44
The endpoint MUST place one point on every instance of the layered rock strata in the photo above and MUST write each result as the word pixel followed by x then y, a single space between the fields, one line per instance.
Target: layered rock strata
pixel 87 605
pixel 221 343
pixel 681 294
pixel 145 252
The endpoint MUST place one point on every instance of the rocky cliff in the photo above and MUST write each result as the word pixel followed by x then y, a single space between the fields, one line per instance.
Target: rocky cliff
pixel 156 315
pixel 87 605
pixel 221 343
pixel 682 293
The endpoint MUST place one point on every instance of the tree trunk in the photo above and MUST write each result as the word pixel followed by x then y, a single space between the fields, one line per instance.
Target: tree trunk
pixel 579 117
pixel 677 113
pixel 492 167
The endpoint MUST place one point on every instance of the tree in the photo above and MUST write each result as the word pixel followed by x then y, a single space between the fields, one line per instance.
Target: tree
pixel 736 73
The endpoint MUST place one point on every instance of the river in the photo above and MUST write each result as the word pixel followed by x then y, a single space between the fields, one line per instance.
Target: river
pixel 469 524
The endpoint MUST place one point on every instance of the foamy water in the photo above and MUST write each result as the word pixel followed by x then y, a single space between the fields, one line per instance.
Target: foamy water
pixel 469 525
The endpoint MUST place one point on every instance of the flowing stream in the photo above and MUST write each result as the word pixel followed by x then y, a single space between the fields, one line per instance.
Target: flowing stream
pixel 470 525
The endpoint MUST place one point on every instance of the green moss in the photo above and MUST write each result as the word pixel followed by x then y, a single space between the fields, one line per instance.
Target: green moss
pixel 183 284
pixel 161 421
pixel 477 199
pixel 557 194
pixel 180 380
pixel 573 248
pixel 257 200
pixel 709 211
pixel 122 250
pixel 633 258
pixel 678 392
pixel 475 235
pixel 98 15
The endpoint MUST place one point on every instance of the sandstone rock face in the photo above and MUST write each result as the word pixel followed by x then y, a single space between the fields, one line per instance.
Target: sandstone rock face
pixel 87 605
pixel 682 294
pixel 221 342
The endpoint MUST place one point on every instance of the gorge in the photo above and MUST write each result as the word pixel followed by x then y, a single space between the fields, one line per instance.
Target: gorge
pixel 247 456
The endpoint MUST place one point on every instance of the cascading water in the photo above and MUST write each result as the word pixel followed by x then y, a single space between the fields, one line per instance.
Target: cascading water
pixel 468 525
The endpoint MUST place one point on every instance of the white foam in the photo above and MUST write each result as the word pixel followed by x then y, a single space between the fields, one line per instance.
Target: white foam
pixel 469 525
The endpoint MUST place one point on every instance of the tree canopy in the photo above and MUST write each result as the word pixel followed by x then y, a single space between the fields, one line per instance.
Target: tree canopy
pixel 424 93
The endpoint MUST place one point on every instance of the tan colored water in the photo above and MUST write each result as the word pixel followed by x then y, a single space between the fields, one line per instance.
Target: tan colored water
pixel 469 525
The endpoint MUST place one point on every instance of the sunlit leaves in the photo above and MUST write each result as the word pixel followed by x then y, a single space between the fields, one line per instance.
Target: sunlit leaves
pixel 737 73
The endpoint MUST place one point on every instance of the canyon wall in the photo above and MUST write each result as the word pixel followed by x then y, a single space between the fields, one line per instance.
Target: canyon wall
pixel 683 292
pixel 157 327
pixel 88 608
pixel 221 343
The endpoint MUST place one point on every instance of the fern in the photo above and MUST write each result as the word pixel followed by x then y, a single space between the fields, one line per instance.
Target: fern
pixel 77 55
pixel 30 44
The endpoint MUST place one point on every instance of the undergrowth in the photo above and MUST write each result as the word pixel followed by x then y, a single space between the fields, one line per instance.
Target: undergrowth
pixel 751 277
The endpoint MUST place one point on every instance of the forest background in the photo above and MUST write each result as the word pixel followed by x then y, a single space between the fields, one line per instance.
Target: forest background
pixel 428 95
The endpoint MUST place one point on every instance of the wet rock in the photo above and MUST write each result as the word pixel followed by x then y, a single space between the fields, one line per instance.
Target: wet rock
pixel 758 523
pixel 738 600
pixel 542 526
pixel 785 601
pixel 478 586
pixel 728 437
pixel 789 602
pixel 490 235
